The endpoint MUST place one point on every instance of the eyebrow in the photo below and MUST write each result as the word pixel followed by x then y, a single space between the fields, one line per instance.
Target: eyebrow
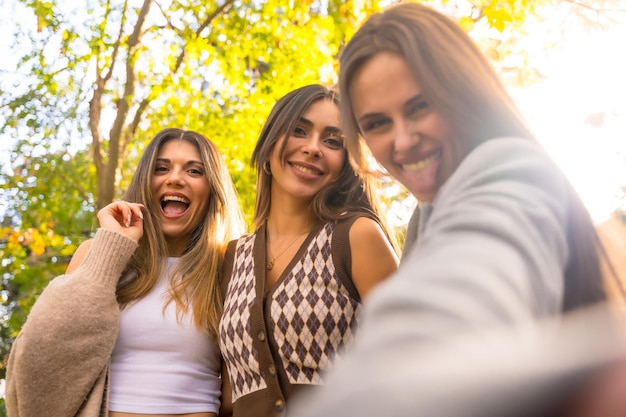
pixel 413 100
pixel 190 162
pixel 307 122
pixel 369 116
pixel 332 129
pixel 410 102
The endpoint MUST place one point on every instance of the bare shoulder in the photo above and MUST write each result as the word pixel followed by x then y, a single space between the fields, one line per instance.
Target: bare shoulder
pixel 365 227
pixel 373 257
pixel 78 256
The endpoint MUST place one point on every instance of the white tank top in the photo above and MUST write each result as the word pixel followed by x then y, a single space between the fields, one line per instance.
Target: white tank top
pixel 160 365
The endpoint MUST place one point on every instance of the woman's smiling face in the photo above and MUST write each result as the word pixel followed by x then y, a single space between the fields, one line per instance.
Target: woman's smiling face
pixel 411 140
pixel 181 191
pixel 314 153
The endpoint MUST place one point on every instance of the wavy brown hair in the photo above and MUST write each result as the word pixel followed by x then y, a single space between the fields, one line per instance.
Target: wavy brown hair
pixel 200 266
pixel 460 84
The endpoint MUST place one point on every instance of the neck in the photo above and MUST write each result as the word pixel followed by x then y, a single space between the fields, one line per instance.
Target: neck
pixel 282 222
pixel 176 246
pixel 284 234
pixel 278 228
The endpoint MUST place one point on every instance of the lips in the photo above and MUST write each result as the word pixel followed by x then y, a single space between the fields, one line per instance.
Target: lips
pixel 306 168
pixel 174 205
pixel 422 163
pixel 419 173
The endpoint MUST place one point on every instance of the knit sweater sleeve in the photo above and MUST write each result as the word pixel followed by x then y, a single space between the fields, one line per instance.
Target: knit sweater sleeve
pixel 66 343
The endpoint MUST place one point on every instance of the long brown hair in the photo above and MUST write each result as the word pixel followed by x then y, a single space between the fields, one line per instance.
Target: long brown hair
pixel 200 266
pixel 461 85
pixel 351 191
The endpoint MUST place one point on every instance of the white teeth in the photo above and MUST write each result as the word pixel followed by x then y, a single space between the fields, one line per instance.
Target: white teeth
pixel 175 198
pixel 305 170
pixel 422 164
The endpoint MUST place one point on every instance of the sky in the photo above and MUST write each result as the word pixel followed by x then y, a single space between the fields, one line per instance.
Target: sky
pixel 585 75
pixel 7 64
pixel 579 114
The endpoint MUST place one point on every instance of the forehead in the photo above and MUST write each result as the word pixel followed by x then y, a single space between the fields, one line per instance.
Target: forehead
pixel 382 83
pixel 181 149
pixel 322 113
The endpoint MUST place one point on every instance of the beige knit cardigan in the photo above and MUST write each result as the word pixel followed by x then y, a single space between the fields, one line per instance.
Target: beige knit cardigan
pixel 59 363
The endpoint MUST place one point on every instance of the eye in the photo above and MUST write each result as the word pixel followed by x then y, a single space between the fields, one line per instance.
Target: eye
pixel 300 132
pixel 335 141
pixel 160 169
pixel 374 124
pixel 416 108
pixel 196 171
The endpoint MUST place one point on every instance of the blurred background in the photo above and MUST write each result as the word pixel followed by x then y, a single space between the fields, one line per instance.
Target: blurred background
pixel 84 85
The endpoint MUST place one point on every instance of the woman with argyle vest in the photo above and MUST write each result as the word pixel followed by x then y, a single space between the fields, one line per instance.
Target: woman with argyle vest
pixel 293 288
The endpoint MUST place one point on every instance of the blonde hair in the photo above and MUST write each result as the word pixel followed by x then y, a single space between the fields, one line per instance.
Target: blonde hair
pixel 197 287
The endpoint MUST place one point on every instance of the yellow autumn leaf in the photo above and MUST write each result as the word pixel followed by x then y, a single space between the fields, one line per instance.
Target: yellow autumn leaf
pixel 38 244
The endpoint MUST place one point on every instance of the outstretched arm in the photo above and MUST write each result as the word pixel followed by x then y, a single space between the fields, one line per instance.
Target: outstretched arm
pixel 66 342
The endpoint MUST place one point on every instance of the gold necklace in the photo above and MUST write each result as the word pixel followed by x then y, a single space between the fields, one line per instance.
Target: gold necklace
pixel 270 264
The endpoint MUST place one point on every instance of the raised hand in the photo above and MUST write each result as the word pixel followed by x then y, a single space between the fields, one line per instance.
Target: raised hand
pixel 124 218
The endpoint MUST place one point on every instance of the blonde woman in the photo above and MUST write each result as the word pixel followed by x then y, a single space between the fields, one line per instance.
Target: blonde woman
pixel 131 329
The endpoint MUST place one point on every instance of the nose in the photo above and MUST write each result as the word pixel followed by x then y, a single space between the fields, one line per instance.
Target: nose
pixel 175 177
pixel 406 136
pixel 312 146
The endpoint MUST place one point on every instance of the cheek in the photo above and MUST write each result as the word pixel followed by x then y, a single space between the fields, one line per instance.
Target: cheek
pixel 455 148
pixel 275 153
pixel 202 191
pixel 456 151
pixel 379 147
pixel 155 182
pixel 338 161
pixel 202 208
pixel 199 213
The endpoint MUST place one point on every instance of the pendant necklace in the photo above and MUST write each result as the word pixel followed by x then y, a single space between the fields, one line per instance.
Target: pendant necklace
pixel 270 264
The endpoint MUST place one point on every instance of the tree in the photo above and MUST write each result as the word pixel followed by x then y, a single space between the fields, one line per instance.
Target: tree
pixel 96 84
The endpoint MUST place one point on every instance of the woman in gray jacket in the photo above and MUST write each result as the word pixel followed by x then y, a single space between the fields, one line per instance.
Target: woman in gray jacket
pixel 503 240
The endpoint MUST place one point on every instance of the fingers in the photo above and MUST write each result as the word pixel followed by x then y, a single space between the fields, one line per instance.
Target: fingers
pixel 122 212
pixel 123 217
pixel 135 214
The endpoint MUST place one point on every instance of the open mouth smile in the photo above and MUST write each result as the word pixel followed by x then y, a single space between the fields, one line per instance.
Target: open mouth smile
pixel 421 164
pixel 174 205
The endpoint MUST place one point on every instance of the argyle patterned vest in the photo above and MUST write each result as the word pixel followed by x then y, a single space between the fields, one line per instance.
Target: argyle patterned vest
pixel 310 319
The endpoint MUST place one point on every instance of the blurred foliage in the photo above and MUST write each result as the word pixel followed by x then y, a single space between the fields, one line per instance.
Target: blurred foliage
pixel 96 81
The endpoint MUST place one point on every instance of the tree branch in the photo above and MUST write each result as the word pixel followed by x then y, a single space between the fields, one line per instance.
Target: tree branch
pixel 118 41
pixel 594 9
pixel 109 183
pixel 221 9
